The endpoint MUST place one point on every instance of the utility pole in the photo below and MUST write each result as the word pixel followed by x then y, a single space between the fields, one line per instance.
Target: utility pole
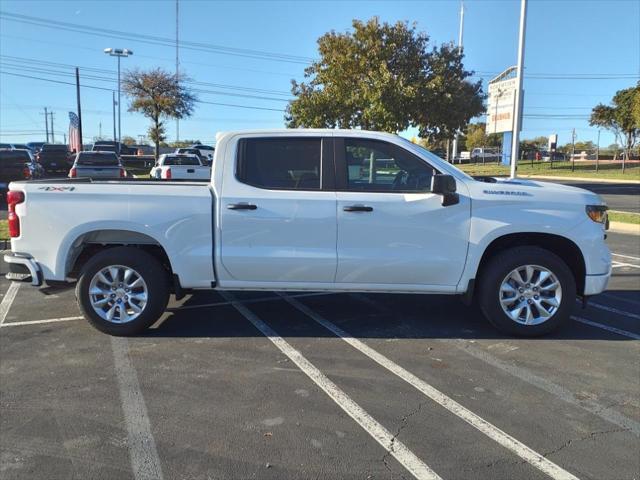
pixel 114 114
pixel 53 138
pixel 177 65
pixel 460 34
pixel 46 123
pixel 64 135
pixel 100 129
pixel 517 121
pixel 79 110
pixel 573 149
pixel 598 151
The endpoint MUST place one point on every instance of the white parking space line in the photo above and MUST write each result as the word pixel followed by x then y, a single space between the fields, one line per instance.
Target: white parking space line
pixel 142 446
pixel 625 256
pixel 392 445
pixel 617 311
pixel 615 264
pixel 620 298
pixel 36 322
pixel 591 406
pixel 609 328
pixel 7 301
pixel 507 441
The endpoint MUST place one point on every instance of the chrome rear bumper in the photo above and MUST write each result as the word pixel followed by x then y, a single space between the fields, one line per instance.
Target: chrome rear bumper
pixel 23 268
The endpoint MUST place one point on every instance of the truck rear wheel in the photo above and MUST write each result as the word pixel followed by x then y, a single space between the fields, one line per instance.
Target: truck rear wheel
pixel 527 291
pixel 122 291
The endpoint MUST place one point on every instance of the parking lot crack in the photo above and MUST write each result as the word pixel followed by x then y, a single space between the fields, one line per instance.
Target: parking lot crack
pixel 590 436
pixel 403 424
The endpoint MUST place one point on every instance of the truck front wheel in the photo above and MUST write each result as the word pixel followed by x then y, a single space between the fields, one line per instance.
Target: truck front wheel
pixel 526 291
pixel 122 291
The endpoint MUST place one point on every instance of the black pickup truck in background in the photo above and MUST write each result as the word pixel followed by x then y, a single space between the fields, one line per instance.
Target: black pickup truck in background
pixel 108 146
pixel 17 165
pixel 54 158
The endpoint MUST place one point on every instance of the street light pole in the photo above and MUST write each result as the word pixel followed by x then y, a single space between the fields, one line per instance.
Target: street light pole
pixel 460 34
pixel 517 121
pixel 118 52
pixel 119 115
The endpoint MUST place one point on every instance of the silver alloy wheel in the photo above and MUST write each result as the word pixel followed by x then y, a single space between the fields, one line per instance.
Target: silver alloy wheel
pixel 118 294
pixel 530 294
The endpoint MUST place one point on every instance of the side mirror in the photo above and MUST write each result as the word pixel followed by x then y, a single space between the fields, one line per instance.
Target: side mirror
pixel 445 185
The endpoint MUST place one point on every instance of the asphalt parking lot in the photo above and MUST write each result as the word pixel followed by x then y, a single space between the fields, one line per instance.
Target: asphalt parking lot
pixel 257 385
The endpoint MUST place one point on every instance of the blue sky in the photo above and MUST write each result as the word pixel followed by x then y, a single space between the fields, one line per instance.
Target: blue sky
pixel 564 39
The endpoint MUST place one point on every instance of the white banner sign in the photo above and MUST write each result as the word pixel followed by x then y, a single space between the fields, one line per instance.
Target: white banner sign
pixel 501 106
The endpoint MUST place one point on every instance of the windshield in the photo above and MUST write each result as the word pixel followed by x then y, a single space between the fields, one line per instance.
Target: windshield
pixel 437 161
pixel 98 159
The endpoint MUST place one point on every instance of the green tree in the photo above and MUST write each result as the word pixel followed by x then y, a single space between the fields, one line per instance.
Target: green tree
pixel 127 140
pixel 158 95
pixel 621 118
pixel 385 77
pixel 475 136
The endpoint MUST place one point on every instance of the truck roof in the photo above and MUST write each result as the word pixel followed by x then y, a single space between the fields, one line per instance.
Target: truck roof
pixel 306 132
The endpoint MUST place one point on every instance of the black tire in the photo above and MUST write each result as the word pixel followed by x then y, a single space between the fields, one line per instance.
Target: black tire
pixel 499 266
pixel 153 274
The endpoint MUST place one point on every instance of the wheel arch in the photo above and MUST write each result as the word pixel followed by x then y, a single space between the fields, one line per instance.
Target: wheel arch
pixel 87 244
pixel 563 247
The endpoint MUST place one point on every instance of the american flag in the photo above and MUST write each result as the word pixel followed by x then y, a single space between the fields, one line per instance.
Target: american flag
pixel 74 137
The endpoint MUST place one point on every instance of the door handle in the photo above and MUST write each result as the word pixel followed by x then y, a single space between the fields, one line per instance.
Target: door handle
pixel 241 206
pixel 357 208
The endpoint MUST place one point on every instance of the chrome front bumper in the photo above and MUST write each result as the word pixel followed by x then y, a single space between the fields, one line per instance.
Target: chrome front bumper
pixel 23 268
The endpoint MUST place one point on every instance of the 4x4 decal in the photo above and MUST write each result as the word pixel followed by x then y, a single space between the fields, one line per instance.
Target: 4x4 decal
pixel 57 189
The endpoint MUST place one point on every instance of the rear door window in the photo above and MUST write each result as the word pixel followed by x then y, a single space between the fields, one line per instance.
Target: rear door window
pixel 280 163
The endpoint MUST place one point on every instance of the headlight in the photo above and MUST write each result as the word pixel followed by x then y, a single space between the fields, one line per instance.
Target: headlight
pixel 597 213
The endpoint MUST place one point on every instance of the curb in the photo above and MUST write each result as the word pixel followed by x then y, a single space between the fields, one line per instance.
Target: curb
pixel 621 227
pixel 580 179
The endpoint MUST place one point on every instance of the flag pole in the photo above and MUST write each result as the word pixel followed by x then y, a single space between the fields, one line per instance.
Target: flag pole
pixel 79 111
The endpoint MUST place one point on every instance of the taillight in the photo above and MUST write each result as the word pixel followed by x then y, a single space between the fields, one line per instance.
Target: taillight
pixel 122 173
pixel 73 173
pixel 13 221
pixel 167 174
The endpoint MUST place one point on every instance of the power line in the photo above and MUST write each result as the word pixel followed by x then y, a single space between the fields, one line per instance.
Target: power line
pixel 109 90
pixel 154 40
pixel 12 60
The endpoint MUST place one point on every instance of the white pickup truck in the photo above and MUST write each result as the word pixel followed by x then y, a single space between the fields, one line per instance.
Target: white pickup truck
pixel 313 210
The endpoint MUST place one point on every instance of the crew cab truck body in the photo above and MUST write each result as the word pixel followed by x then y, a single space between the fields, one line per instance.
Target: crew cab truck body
pixel 314 210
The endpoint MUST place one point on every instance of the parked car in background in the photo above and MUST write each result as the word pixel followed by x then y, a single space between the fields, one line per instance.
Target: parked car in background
pixel 35 147
pixel 17 165
pixel 21 146
pixel 194 151
pixel 6 146
pixel 485 154
pixel 109 146
pixel 97 165
pixel 180 167
pixel 54 158
pixel 206 152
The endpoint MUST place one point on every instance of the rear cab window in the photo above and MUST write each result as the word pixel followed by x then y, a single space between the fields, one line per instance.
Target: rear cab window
pixel 282 163
pixel 98 159
pixel 179 160
pixel 14 158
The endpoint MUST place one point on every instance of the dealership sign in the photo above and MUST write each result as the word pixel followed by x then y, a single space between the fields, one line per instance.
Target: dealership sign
pixel 502 101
